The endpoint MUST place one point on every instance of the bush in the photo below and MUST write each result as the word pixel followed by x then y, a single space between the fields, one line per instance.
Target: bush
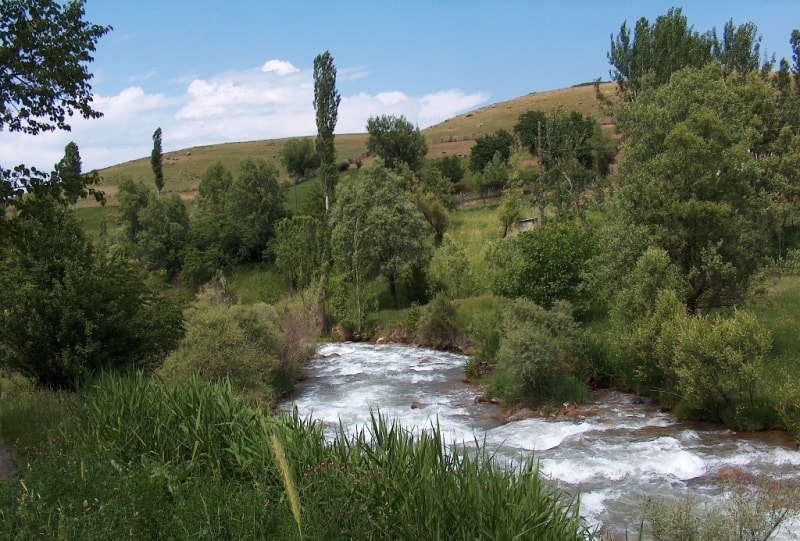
pixel 547 264
pixel 239 343
pixel 751 510
pixel 436 326
pixel 71 311
pixel 718 363
pixel 539 358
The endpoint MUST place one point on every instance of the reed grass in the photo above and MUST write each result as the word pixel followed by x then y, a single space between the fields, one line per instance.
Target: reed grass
pixel 144 459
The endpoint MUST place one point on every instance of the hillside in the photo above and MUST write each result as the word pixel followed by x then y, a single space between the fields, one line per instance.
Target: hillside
pixel 454 136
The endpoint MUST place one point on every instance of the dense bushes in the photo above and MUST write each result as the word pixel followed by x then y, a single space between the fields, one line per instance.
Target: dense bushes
pixel 258 348
pixel 71 311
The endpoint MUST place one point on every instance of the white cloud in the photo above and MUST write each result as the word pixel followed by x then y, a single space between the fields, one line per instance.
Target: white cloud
pixel 273 101
pixel 281 67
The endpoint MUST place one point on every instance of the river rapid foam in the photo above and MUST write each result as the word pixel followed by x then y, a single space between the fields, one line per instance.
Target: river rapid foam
pixel 623 452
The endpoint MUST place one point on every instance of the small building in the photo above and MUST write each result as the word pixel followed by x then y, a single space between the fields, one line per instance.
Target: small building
pixel 528 223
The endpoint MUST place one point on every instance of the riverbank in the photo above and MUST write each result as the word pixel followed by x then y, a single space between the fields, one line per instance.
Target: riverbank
pixel 617 450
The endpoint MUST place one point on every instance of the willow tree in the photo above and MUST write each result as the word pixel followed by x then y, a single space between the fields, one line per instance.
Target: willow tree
pixel 377 232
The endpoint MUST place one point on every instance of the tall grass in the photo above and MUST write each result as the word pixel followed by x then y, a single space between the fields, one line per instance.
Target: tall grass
pixel 146 460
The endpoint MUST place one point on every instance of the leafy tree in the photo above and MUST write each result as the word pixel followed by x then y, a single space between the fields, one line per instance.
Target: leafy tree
pixel 257 203
pixel 739 49
pixel 44 52
pixel 299 158
pixel 163 234
pixel 431 193
pixel 546 264
pixel 156 161
pixel 326 105
pixel 510 208
pixel 133 197
pixel 575 152
pixel 450 271
pixel 487 146
pixel 376 231
pixel 75 185
pixel 396 141
pixel 215 185
pixel 653 52
pixel 299 249
pixel 69 310
pixel 696 177
pixel 450 167
pixel 494 176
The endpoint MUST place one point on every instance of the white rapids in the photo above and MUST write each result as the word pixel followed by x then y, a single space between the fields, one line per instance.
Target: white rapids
pixel 620 452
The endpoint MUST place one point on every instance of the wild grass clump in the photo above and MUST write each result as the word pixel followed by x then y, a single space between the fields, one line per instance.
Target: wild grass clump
pixel 143 459
pixel 750 510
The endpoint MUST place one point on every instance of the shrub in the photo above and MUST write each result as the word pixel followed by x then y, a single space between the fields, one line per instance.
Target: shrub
pixel 436 326
pixel 239 343
pixel 547 265
pixel 718 362
pixel 538 360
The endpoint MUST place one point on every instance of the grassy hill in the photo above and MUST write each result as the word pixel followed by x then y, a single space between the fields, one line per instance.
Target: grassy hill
pixel 454 136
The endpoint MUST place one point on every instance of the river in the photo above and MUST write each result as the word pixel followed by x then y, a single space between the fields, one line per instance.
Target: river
pixel 614 451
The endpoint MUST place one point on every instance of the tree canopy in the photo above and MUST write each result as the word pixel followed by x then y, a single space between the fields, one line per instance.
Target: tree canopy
pixel 397 141
pixel 697 177
pixel 377 231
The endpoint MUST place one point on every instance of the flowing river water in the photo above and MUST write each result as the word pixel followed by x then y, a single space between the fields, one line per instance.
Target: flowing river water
pixel 614 451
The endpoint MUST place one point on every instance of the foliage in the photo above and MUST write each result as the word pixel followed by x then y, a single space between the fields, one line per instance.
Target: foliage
pixel 510 209
pixel 70 311
pixel 450 167
pixel 486 146
pixel 753 509
pixel 493 177
pixel 156 158
pixel 299 157
pixel 717 363
pixel 450 272
pixel 396 141
pixel 133 197
pixel 432 194
pixel 257 203
pixel 235 218
pixel 538 355
pixel 376 231
pixel 653 52
pixel 575 154
pixel 238 343
pixel 326 106
pixel 436 326
pixel 44 78
pixel 163 234
pixel 68 170
pixel 696 178
pixel 546 264
pixel 299 249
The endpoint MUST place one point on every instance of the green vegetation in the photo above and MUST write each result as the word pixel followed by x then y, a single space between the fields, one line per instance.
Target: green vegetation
pixel 139 458
pixel 669 269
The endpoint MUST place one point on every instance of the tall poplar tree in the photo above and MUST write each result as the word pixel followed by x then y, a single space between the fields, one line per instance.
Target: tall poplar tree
pixel 156 159
pixel 326 105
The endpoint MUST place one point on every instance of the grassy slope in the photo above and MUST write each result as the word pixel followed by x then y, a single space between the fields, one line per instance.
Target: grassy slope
pixel 183 168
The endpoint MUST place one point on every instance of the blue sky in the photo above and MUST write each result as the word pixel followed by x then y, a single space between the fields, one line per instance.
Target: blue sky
pixel 209 72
